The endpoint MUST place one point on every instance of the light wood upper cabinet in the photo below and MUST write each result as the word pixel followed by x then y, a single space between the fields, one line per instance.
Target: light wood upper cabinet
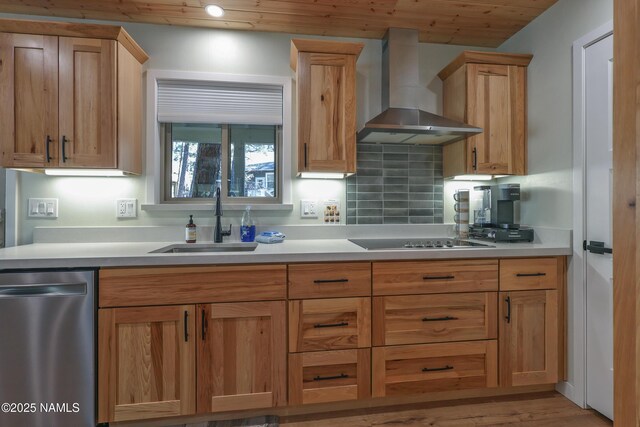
pixel 326 79
pixel 70 102
pixel 487 90
pixel 528 337
pixel 146 363
pixel 87 111
pixel 28 100
pixel 241 356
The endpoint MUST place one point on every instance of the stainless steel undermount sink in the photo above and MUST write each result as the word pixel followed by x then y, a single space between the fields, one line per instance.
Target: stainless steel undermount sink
pixel 206 247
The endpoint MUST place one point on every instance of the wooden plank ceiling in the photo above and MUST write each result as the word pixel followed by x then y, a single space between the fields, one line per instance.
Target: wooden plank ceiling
pixel 464 22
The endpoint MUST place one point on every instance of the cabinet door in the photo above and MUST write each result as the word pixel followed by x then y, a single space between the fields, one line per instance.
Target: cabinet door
pixel 241 356
pixel 28 100
pixel 326 112
pixel 528 338
pixel 87 103
pixel 146 363
pixel 496 103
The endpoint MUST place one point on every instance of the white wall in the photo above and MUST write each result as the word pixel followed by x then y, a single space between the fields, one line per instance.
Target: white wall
pixel 91 201
pixel 548 186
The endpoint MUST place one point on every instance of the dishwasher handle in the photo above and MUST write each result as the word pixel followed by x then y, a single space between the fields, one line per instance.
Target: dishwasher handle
pixel 43 290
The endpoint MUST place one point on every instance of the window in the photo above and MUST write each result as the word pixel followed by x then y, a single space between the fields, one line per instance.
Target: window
pixel 242 160
pixel 219 131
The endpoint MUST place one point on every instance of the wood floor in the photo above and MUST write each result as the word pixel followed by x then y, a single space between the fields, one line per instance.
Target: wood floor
pixel 537 410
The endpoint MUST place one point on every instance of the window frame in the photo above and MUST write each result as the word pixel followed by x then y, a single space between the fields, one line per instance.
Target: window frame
pixel 165 129
pixel 155 163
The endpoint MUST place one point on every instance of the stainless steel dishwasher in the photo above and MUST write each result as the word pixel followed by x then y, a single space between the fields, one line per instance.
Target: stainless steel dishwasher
pixel 47 348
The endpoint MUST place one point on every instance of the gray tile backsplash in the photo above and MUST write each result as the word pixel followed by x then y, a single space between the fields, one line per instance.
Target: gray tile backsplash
pixel 396 184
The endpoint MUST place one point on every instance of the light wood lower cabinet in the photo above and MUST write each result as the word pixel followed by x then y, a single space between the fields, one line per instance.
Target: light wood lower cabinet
pixel 435 326
pixel 329 376
pixel 146 363
pixel 329 324
pixel 416 319
pixel 415 369
pixel 241 356
pixel 528 337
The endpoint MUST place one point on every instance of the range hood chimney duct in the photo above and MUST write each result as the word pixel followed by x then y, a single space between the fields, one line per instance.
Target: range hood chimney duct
pixel 401 120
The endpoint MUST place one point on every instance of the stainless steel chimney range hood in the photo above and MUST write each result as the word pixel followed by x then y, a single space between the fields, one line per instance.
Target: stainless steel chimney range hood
pixel 402 121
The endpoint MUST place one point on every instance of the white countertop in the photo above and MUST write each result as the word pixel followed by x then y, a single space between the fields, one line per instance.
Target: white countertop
pixel 68 255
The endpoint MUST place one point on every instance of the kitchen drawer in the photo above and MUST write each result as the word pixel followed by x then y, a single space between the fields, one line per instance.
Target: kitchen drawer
pixel 434 277
pixel 418 319
pixel 329 280
pixel 413 369
pixel 329 324
pixel 529 274
pixel 126 287
pixel 329 376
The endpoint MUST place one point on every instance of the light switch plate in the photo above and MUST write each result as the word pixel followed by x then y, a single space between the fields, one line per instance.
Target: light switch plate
pixel 308 209
pixel 43 208
pixel 126 208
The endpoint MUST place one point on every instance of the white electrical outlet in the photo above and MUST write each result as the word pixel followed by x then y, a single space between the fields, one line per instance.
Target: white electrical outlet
pixel 43 208
pixel 308 209
pixel 126 208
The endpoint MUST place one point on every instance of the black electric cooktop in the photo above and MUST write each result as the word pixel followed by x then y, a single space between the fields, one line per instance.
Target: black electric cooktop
pixel 408 244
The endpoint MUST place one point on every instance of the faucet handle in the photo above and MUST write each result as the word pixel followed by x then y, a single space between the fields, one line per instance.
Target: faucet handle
pixel 228 232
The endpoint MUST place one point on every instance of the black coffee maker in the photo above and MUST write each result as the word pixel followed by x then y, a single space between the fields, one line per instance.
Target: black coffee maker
pixel 495 214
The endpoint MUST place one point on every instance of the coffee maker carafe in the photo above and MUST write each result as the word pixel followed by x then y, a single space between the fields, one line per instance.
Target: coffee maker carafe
pixel 497 206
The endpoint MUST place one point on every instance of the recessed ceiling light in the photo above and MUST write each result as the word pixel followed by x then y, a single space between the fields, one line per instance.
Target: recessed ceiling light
pixel 214 10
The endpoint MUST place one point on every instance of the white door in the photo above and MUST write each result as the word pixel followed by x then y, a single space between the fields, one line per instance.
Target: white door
pixel 599 284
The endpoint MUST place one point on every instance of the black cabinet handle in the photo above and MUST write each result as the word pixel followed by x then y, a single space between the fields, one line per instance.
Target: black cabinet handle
pixel 438 277
pixel 330 325
pixel 530 274
pixel 508 316
pixel 436 319
pixel 204 325
pixel 331 281
pixel 334 377
pixel 186 326
pixel 64 151
pixel 475 159
pixel 305 155
pixel 444 368
pixel 48 151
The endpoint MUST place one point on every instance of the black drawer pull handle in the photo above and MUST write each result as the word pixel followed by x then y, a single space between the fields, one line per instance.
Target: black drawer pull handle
pixel 186 326
pixel 330 325
pixel 436 319
pixel 331 281
pixel 334 377
pixel 530 274
pixel 438 277
pixel 445 368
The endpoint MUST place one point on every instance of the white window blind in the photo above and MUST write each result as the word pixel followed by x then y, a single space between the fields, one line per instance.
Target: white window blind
pixel 190 101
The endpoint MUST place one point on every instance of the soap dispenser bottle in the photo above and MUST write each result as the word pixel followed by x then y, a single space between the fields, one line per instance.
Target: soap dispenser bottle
pixel 190 231
pixel 247 227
